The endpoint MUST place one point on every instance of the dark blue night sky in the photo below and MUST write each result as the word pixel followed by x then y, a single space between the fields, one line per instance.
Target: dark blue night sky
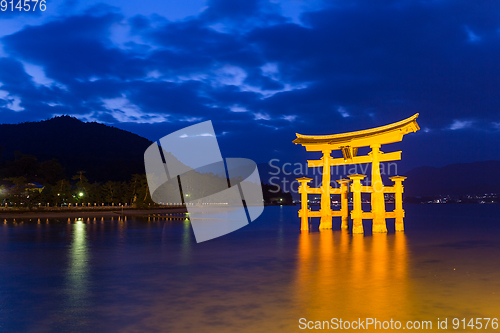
pixel 263 70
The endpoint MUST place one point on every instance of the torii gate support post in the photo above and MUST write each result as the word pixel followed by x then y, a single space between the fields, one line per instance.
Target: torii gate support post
pixel 377 196
pixel 326 203
pixel 357 212
pixel 303 213
pixel 398 196
pixel 344 190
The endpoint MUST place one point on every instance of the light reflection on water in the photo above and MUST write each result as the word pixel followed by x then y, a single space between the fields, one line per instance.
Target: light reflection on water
pixel 78 267
pixel 119 274
pixel 352 276
pixel 77 277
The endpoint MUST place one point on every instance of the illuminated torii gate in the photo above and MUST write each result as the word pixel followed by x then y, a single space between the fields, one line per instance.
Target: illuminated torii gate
pixel 349 143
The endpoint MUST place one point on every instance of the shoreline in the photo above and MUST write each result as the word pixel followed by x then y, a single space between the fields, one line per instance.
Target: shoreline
pixel 75 213
pixel 83 213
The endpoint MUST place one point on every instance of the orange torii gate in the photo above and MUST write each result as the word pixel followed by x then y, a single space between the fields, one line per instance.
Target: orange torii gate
pixel 349 143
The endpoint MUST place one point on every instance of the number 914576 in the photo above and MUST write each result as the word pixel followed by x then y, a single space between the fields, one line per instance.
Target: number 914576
pixel 23 5
pixel 479 323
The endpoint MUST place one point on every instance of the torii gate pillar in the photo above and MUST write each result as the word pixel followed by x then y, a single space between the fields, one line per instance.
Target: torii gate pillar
pixel 344 191
pixel 399 212
pixel 326 208
pixel 377 196
pixel 304 211
pixel 357 212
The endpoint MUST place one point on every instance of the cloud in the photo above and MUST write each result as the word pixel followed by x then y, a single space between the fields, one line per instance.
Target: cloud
pixel 183 136
pixel 237 108
pixel 261 116
pixel 229 75
pixel 242 15
pixel 74 48
pixel 471 35
pixel 10 102
pixel 460 124
pixel 290 118
pixel 343 112
pixel 270 70
pixel 37 74
pixel 124 111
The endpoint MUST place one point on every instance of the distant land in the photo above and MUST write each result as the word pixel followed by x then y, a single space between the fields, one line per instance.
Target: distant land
pixel 108 153
pixel 454 179
pixel 104 152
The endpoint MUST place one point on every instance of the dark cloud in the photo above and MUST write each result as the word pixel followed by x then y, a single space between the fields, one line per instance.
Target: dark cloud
pixel 12 74
pixel 75 48
pixel 391 57
pixel 242 15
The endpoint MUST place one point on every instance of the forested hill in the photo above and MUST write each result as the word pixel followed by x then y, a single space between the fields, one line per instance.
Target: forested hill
pixel 104 152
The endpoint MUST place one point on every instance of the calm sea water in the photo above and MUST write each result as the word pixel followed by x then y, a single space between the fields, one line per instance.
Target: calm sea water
pixel 135 275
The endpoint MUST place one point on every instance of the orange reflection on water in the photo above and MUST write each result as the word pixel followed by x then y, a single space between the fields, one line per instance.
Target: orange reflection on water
pixel 346 276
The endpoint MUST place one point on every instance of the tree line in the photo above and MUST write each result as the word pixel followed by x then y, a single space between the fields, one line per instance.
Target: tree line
pixel 28 182
pixel 22 176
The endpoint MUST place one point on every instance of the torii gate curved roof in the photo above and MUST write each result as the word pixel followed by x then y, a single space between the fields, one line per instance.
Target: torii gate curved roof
pixel 383 135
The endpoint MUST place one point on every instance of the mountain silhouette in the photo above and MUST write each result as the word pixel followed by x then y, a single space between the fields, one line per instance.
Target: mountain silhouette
pixel 104 152
pixel 454 179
